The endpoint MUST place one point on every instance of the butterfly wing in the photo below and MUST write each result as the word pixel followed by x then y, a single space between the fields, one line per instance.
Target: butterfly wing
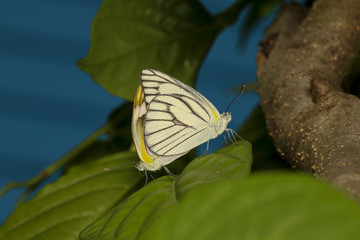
pixel 178 117
pixel 149 160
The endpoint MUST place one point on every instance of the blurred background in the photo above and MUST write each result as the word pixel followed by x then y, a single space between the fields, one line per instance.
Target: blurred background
pixel 48 105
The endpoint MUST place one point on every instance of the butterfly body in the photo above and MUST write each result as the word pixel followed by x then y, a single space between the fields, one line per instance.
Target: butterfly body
pixel 170 118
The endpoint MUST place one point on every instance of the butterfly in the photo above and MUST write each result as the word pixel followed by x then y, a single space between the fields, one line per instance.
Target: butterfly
pixel 170 118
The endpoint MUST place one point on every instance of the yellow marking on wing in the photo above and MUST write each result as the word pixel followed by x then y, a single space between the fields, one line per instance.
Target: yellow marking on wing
pixel 215 115
pixel 144 155
pixel 139 96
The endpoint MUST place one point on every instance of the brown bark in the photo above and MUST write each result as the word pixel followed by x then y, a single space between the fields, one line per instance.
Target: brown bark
pixel 302 63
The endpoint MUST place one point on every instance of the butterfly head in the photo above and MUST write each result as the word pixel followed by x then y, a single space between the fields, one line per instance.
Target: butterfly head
pixel 226 116
pixel 143 166
pixel 224 120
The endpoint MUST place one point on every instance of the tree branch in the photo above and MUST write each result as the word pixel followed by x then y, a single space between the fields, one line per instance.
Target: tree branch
pixel 302 64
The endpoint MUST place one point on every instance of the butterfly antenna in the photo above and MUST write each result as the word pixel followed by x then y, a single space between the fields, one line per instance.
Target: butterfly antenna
pixel 122 166
pixel 237 95
pixel 113 168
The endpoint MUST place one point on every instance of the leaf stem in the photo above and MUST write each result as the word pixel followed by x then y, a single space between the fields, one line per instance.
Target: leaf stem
pixel 32 183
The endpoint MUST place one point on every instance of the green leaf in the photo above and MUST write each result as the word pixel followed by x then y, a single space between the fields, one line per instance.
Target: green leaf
pixel 263 206
pixel 258 10
pixel 127 36
pixel 134 217
pixel 137 216
pixel 95 151
pixel 63 208
pixel 228 162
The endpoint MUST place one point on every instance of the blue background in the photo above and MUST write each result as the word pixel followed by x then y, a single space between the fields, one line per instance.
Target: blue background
pixel 48 105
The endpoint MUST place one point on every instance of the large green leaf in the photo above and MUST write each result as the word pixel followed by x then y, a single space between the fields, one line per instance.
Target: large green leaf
pixel 134 217
pixel 228 162
pixel 263 206
pixel 63 208
pixel 137 216
pixel 169 35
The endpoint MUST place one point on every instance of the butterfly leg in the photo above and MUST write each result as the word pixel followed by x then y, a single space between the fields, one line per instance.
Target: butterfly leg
pixel 168 171
pixel 207 147
pixel 146 177
pixel 229 136
pixel 225 139
pixel 233 135
pixel 234 132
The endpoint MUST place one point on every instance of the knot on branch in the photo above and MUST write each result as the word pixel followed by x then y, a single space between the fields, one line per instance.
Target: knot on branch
pixel 265 48
pixel 267 44
pixel 319 89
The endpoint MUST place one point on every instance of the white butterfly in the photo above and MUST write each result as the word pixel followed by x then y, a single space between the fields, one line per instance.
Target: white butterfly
pixel 170 118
